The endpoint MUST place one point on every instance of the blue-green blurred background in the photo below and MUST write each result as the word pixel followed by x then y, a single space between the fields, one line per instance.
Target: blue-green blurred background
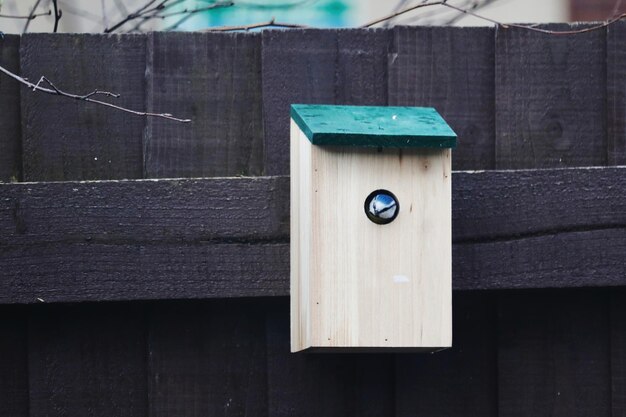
pixel 319 13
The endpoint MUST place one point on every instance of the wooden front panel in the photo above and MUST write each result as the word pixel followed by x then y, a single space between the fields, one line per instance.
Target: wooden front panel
pixel 363 284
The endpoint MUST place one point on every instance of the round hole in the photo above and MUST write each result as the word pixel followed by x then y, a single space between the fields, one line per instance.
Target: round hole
pixel 381 207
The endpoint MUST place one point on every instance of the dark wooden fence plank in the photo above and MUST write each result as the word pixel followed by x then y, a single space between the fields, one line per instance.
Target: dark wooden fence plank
pixel 461 381
pixel 298 67
pixel 87 360
pixel 526 203
pixel 362 67
pixel 550 99
pixel 218 210
pixel 208 359
pixel 451 69
pixel 486 206
pixel 72 140
pixel 324 385
pixel 215 80
pixel 10 119
pixel 120 240
pixel 554 354
pixel 616 93
pixel 13 362
pixel 618 352
pixel 98 272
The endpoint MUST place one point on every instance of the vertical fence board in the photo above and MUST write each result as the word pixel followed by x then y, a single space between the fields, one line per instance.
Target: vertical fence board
pixel 329 384
pixel 461 381
pixel 616 93
pixel 87 360
pixel 207 359
pixel 362 67
pixel 550 98
pixel 10 121
pixel 618 352
pixel 553 357
pixel 67 139
pixel 215 80
pixel 13 362
pixel 451 69
pixel 298 67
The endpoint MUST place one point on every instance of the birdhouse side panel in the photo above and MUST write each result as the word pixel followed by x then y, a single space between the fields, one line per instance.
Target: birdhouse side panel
pixel 300 246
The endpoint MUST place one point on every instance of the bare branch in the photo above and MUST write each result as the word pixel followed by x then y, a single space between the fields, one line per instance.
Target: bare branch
pixel 401 12
pixel 30 16
pixel 444 3
pixel 149 12
pixel 57 15
pixel 54 90
pixel 269 24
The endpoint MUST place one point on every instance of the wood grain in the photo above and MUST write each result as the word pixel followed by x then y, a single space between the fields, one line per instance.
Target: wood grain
pixel 328 384
pixel 395 289
pixel 87 360
pixel 298 68
pixel 207 358
pixel 113 241
pixel 451 69
pixel 461 381
pixel 616 92
pixel 98 272
pixel 550 99
pixel 553 355
pixel 13 361
pixel 10 116
pixel 215 80
pixel 216 210
pixel 618 351
pixel 71 140
pixel 362 66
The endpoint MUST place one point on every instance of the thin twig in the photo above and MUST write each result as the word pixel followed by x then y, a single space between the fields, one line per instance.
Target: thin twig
pixel 57 15
pixel 85 97
pixel 30 15
pixel 540 30
pixel 270 23
pixel 149 12
pixel 401 12
pixel 444 3
pixel 130 17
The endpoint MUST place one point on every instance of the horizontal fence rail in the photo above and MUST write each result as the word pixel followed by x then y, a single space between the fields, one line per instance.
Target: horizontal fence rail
pixel 229 237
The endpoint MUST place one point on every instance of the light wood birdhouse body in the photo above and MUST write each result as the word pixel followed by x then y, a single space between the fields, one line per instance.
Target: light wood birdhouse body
pixel 371 242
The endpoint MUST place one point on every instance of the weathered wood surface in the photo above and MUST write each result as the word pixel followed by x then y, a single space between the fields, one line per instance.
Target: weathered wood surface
pixel 67 139
pixel 553 354
pixel 87 360
pixel 10 116
pixel 298 67
pixel 461 381
pixel 13 361
pixel 228 237
pixel 617 335
pixel 451 69
pixel 616 92
pixel 328 384
pixel 215 80
pixel 550 102
pixel 207 359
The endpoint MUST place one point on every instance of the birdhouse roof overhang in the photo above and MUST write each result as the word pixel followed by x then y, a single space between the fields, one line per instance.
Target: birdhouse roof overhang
pixel 374 126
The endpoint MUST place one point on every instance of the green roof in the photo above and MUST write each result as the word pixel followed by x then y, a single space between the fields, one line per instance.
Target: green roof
pixel 376 126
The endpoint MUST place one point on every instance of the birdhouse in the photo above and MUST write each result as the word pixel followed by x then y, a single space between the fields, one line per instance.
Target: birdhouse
pixel 371 241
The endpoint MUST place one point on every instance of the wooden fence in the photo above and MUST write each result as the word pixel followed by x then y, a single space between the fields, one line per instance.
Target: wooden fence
pixel 195 269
